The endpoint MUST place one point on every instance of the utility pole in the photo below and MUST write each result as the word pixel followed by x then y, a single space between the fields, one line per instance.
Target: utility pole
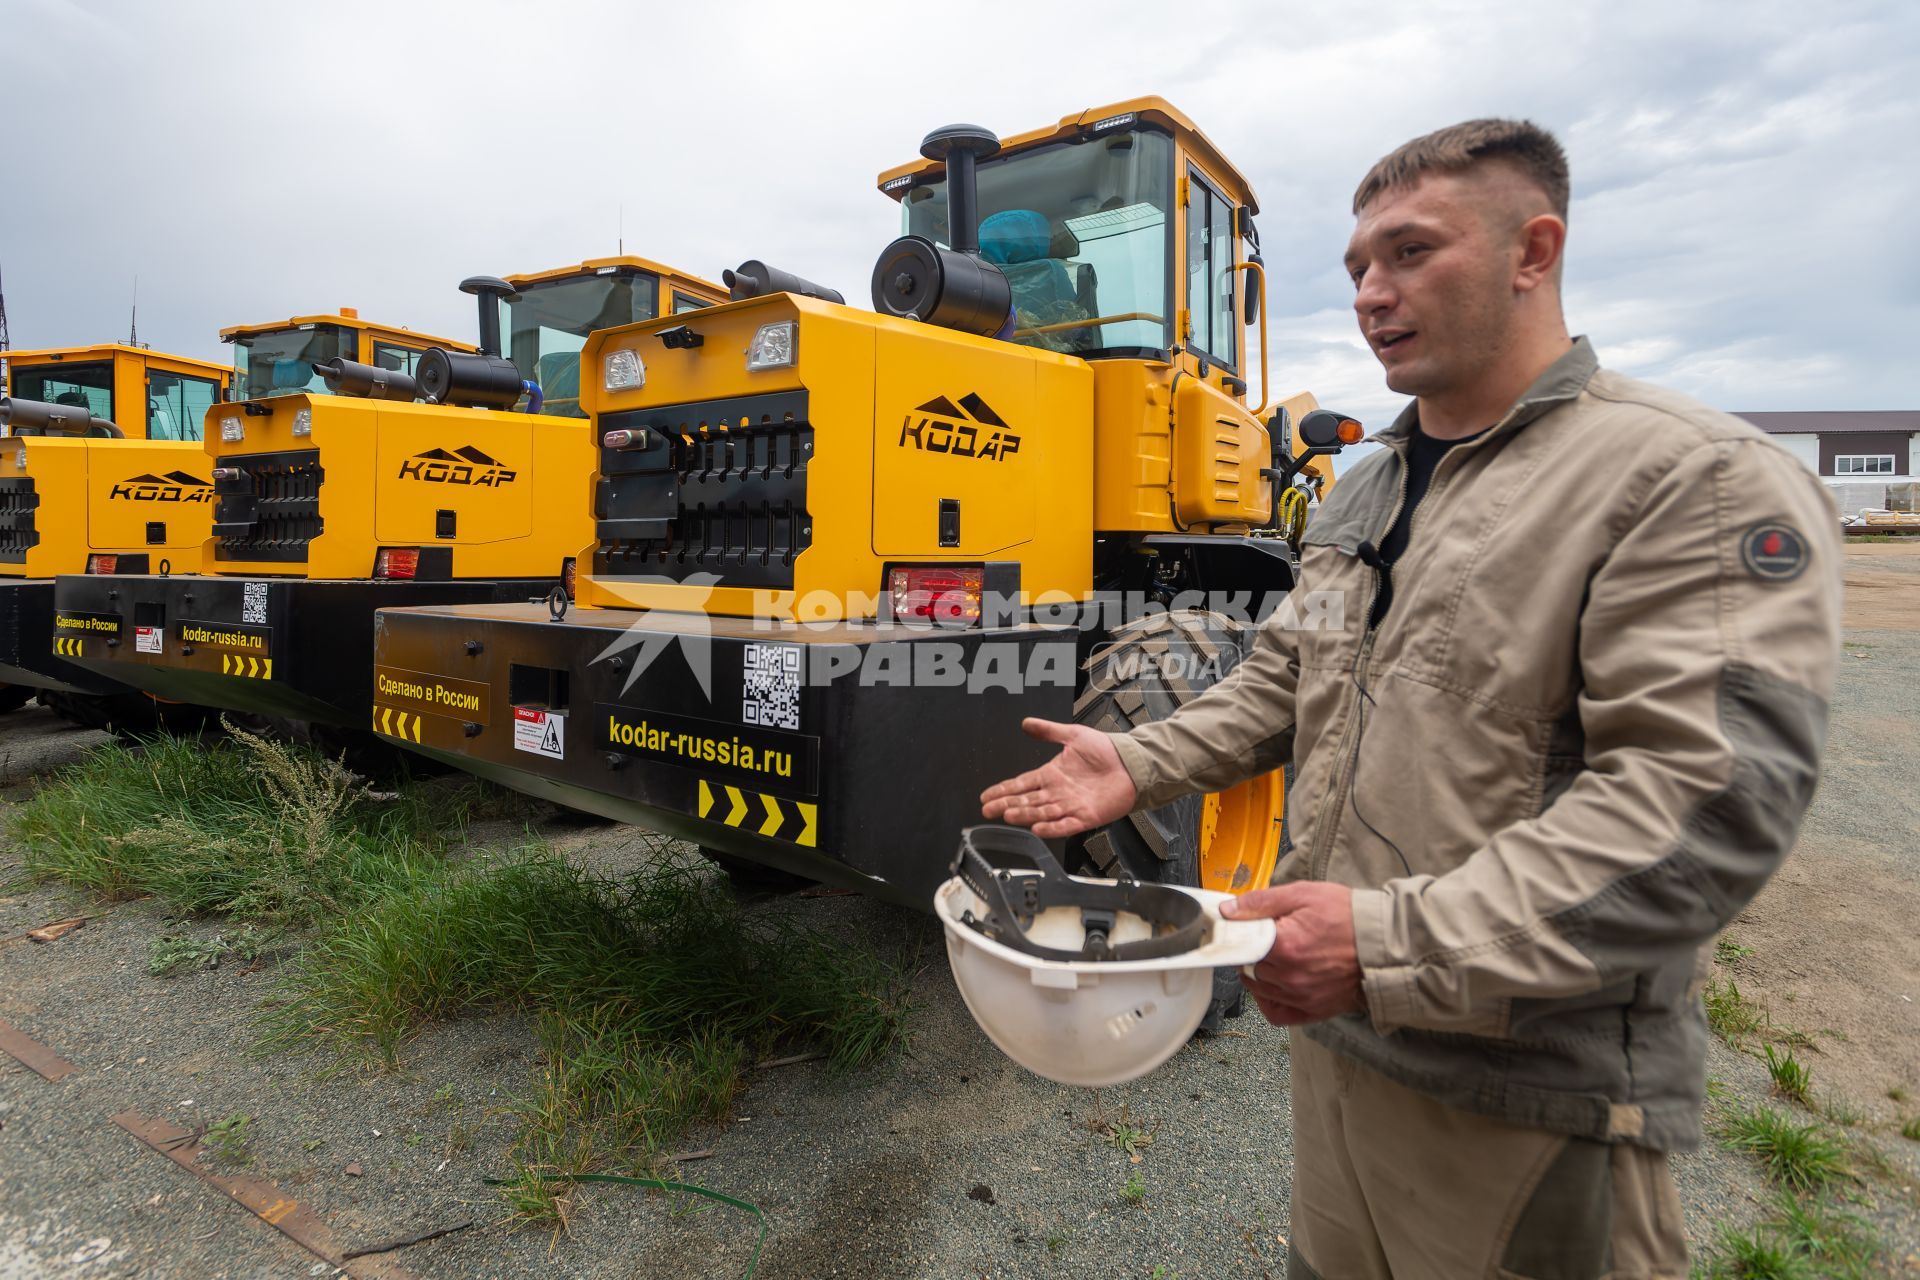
pixel 133 325
pixel 6 343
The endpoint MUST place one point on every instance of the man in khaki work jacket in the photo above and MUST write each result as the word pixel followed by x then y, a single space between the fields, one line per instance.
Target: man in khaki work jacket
pixel 1564 731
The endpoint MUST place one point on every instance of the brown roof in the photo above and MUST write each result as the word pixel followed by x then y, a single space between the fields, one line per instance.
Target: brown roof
pixel 1901 421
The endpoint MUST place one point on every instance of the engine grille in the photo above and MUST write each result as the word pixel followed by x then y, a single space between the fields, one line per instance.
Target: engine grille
pixel 720 490
pixel 18 502
pixel 271 511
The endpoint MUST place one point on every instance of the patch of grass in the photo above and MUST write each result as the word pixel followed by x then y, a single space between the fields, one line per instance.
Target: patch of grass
pixel 1839 1110
pixel 650 995
pixel 1801 1157
pixel 1728 951
pixel 1134 1190
pixel 228 1139
pixel 1791 1077
pixel 1732 1016
pixel 1910 1129
pixel 1056 1241
pixel 243 826
pixel 1897 1094
pixel 1804 1238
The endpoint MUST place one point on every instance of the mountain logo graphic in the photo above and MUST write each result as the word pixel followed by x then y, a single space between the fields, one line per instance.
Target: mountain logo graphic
pixel 175 486
pixel 969 429
pixel 462 466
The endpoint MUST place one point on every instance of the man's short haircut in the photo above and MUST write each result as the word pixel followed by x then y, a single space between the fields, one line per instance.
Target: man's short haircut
pixel 1522 144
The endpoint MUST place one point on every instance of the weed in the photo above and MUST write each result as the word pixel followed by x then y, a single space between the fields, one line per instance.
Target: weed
pixel 447 1096
pixel 534 1201
pixel 173 953
pixel 1732 1016
pixel 245 827
pixel 1791 1077
pixel 1840 1242
pixel 1120 1131
pixel 1807 1157
pixel 228 1138
pixel 1162 1272
pixel 312 1145
pixel 1839 1110
pixel 1910 1129
pixel 413 1139
pixel 1757 1253
pixel 1056 1241
pixel 1134 1190
pixel 1897 1094
pixel 1727 951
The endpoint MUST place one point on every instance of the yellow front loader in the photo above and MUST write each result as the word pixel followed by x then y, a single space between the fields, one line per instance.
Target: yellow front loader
pixel 838 554
pixel 102 472
pixel 443 476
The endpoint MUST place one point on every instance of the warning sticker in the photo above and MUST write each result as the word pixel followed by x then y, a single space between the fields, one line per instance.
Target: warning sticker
pixel 544 733
pixel 147 639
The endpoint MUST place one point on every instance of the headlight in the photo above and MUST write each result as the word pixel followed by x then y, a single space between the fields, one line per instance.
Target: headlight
pixel 303 422
pixel 623 371
pixel 774 346
pixel 231 431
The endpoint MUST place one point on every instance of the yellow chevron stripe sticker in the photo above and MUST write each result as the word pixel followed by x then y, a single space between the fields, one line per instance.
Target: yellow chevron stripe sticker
pixel 739 807
pixel 416 727
pixel 226 664
pixel 268 673
pixel 774 816
pixel 386 720
pixel 706 798
pixel 811 813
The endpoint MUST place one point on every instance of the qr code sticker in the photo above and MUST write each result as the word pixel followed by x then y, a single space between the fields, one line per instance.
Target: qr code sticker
pixel 253 605
pixel 770 686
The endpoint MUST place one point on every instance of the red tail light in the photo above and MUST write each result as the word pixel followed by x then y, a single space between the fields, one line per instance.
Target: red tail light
pixel 396 562
pixel 103 564
pixel 568 572
pixel 948 594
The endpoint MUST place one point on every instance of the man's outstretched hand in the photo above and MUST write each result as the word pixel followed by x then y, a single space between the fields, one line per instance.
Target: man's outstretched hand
pixel 1083 787
pixel 1313 971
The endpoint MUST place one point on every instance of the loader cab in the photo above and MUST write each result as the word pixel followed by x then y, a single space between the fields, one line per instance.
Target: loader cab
pixel 1120 232
pixel 278 359
pixel 148 394
pixel 549 314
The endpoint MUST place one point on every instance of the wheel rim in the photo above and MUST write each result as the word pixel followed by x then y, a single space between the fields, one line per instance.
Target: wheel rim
pixel 1240 834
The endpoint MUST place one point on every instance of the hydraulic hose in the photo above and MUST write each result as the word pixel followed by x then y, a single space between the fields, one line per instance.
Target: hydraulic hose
pixel 534 398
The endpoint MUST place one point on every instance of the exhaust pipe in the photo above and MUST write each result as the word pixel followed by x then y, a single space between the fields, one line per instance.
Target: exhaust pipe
pixel 346 377
pixel 489 289
pixel 37 417
pixel 755 279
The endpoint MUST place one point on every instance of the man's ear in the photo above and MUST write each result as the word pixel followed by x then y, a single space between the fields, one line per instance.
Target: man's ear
pixel 1542 238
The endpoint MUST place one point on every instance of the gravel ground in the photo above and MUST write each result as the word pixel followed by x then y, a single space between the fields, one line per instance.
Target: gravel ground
pixel 946 1162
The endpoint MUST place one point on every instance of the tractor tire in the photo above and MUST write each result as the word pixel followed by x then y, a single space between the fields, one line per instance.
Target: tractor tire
pixel 751 879
pixel 1145 672
pixel 15 696
pixel 126 715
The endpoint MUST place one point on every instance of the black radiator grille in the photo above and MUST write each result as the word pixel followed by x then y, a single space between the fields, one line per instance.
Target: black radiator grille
pixel 720 489
pixel 271 509
pixel 18 502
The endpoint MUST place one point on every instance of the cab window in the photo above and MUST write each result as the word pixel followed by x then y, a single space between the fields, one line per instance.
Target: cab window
pixel 87 386
pixel 687 302
pixel 1210 257
pixel 399 359
pixel 177 405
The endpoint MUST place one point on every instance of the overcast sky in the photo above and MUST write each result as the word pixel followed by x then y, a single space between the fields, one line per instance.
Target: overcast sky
pixel 1746 177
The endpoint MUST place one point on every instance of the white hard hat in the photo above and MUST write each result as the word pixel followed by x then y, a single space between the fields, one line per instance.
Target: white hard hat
pixel 1087 982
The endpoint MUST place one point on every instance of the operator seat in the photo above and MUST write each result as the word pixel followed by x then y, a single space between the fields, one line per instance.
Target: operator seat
pixel 1019 242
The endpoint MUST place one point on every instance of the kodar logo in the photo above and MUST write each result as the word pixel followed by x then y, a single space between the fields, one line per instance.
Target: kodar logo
pixel 968 430
pixel 462 466
pixel 175 486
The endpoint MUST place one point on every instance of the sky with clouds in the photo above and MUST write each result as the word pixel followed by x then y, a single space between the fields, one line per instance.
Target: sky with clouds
pixel 1745 175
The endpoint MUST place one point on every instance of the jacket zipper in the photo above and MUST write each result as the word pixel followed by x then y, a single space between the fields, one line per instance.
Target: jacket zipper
pixel 1321 853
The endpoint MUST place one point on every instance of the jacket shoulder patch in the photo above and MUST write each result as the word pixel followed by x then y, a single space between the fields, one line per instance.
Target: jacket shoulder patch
pixel 1773 552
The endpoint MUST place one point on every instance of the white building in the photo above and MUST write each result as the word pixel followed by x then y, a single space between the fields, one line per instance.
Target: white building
pixel 1871 457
